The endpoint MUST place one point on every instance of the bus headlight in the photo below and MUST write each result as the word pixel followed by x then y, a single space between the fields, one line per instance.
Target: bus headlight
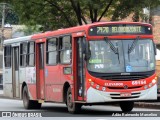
pixel 97 87
pixel 104 88
pixel 92 83
pixel 154 81
pixel 145 87
pixel 150 84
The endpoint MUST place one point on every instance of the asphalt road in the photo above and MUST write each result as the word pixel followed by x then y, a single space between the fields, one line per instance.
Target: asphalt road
pixel 98 112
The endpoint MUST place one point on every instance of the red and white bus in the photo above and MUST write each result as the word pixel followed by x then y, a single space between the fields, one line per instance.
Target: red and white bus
pixel 84 65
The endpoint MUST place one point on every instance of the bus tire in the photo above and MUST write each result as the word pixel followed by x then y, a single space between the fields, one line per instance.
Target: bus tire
pixel 72 106
pixel 29 104
pixel 36 105
pixel 126 106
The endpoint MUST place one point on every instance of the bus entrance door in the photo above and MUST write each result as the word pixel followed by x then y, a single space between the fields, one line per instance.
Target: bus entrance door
pixel 40 70
pixel 15 71
pixel 79 81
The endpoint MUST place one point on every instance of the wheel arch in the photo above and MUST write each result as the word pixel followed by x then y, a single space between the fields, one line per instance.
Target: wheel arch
pixel 23 85
pixel 65 88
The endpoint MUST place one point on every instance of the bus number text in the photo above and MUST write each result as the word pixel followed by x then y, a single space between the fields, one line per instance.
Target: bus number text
pixel 139 82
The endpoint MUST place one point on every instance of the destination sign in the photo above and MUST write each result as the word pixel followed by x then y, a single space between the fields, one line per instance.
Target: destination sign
pixel 120 29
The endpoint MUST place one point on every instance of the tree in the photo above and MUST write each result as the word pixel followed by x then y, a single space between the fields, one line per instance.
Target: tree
pixel 29 30
pixel 124 8
pixel 53 14
pixel 10 15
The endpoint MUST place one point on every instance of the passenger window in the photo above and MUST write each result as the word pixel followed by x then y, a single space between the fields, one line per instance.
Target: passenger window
pixel 7 56
pixel 52 51
pixel 31 54
pixel 23 54
pixel 66 51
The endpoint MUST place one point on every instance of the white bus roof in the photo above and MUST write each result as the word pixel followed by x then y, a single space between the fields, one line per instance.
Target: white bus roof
pixel 15 40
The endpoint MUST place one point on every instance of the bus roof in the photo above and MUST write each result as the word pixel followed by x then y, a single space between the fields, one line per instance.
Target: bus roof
pixel 79 29
pixel 65 31
pixel 15 40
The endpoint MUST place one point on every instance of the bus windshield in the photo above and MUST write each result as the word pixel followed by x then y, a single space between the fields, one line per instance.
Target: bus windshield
pixel 117 56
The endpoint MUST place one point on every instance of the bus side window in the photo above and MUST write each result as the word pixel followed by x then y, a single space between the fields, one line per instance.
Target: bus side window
pixel 66 50
pixel 51 51
pixel 23 54
pixel 31 54
pixel 7 56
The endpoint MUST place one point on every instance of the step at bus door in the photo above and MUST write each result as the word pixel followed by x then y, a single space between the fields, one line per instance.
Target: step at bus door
pixel 15 71
pixel 40 70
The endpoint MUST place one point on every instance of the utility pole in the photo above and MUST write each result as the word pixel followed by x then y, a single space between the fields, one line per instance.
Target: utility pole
pixel 2 25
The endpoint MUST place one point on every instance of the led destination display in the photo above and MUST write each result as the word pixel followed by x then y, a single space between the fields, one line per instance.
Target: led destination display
pixel 119 29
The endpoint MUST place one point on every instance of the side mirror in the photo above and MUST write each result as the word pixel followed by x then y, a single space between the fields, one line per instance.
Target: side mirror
pixel 83 47
pixel 155 49
pixel 87 51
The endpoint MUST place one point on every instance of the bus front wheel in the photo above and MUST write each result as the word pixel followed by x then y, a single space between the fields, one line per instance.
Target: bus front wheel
pixel 126 106
pixel 29 104
pixel 72 106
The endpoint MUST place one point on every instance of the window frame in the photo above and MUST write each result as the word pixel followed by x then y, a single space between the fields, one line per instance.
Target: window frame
pixel 21 54
pixel 47 51
pixel 8 56
pixel 28 54
pixel 62 50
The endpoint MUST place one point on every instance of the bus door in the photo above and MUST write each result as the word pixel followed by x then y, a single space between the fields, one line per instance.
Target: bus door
pixel 79 67
pixel 40 70
pixel 15 71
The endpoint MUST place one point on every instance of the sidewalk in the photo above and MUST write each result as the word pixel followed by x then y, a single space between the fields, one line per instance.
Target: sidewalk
pixel 1 93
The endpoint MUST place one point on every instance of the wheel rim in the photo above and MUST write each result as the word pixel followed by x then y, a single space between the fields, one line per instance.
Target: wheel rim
pixel 25 99
pixel 70 103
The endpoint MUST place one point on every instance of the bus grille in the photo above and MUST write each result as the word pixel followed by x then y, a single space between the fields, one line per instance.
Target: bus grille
pixel 125 77
pixel 117 96
pixel 122 77
pixel 133 87
pixel 125 97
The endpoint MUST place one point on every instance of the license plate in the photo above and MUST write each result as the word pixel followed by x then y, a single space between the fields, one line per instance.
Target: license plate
pixel 125 94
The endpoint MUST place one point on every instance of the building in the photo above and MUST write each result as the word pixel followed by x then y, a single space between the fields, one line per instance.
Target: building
pixel 155 14
pixel 7 33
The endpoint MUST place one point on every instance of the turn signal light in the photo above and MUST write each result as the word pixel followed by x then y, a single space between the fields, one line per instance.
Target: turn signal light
pixel 90 80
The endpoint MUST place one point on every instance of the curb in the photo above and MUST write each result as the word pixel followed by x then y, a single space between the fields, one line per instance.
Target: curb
pixel 153 105
pixel 4 97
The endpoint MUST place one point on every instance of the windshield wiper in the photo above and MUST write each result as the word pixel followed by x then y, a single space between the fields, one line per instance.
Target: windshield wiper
pixel 113 48
pixel 130 49
pixel 133 45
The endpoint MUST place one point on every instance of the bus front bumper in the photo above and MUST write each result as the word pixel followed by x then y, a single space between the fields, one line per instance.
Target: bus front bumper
pixel 96 96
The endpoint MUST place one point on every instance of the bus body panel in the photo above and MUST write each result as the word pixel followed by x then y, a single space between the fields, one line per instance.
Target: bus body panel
pixel 52 83
pixel 30 79
pixel 8 71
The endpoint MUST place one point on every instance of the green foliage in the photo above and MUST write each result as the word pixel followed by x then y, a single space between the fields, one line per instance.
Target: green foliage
pixel 55 14
pixel 29 30
pixel 10 15
pixel 125 7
